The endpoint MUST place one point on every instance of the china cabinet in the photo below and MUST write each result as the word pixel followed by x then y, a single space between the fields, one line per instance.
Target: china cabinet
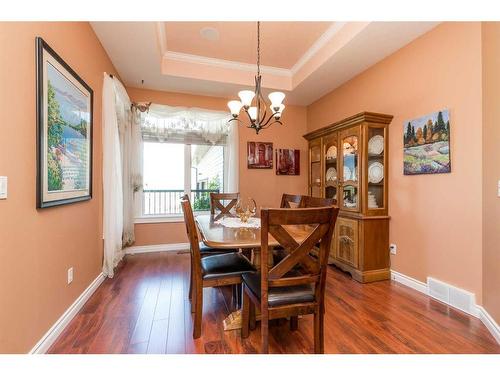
pixel 348 161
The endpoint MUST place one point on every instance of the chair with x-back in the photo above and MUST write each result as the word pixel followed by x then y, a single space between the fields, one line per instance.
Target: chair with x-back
pixel 210 270
pixel 290 200
pixel 296 285
pixel 217 203
pixel 310 202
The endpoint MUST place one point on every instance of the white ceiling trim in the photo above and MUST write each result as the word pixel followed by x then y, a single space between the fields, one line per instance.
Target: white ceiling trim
pixel 226 64
pixel 162 37
pixel 234 65
pixel 318 45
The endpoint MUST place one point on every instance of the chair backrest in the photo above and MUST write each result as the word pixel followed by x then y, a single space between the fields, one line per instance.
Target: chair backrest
pixel 216 203
pixel 286 199
pixel 316 225
pixel 310 202
pixel 192 232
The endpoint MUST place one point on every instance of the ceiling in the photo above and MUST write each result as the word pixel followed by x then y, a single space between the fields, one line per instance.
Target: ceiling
pixel 306 60
pixel 237 41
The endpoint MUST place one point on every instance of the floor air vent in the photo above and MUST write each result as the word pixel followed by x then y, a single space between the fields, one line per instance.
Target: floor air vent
pixel 458 298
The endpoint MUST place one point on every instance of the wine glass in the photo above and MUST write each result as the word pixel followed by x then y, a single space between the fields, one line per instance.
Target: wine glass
pixel 252 207
pixel 239 208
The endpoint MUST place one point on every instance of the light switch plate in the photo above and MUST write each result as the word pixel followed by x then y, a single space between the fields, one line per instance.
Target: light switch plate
pixel 3 187
pixel 498 190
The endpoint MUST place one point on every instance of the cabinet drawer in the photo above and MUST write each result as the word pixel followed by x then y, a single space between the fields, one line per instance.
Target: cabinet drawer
pixel 346 241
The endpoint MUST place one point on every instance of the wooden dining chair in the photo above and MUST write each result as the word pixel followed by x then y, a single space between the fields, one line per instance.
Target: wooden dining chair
pixel 310 202
pixel 286 199
pixel 209 270
pixel 204 250
pixel 296 285
pixel 217 203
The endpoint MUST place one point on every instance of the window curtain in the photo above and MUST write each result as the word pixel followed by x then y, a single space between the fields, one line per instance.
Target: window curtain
pixel 185 125
pixel 122 174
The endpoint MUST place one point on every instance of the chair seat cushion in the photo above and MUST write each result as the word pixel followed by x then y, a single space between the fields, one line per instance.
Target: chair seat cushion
pixel 283 295
pixel 230 264
pixel 206 250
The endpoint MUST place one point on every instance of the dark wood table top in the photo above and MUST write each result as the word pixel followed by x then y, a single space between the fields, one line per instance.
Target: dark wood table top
pixel 218 236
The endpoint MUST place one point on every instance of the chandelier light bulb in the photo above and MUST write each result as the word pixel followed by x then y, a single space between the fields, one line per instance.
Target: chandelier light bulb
pixel 246 97
pixel 277 114
pixel 276 99
pixel 234 107
pixel 252 112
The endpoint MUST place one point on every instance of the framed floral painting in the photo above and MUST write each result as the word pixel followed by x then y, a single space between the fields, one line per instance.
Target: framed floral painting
pixel 64 131
pixel 427 144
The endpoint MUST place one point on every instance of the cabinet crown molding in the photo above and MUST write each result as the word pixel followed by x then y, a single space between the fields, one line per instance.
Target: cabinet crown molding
pixel 371 117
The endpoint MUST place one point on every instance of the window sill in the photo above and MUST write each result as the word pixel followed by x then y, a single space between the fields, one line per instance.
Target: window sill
pixel 159 219
pixel 165 219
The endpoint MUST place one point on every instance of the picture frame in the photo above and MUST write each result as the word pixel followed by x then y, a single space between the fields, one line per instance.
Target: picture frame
pixel 259 155
pixel 426 144
pixel 64 117
pixel 287 162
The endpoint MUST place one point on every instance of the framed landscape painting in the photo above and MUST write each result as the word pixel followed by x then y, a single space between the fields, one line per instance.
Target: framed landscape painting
pixel 287 162
pixel 259 155
pixel 427 144
pixel 64 131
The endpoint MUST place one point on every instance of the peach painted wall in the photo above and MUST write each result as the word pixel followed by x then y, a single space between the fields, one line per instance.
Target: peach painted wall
pixel 491 171
pixel 262 185
pixel 436 221
pixel 38 246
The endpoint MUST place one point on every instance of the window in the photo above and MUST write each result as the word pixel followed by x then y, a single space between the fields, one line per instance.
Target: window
pixel 189 151
pixel 171 170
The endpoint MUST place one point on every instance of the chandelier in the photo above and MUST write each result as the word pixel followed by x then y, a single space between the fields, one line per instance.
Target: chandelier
pixel 253 102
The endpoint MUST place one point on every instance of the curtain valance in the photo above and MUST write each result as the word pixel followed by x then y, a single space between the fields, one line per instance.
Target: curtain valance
pixel 163 123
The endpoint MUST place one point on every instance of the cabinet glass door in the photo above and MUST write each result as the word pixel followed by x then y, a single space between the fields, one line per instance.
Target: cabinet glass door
pixel 315 169
pixel 330 150
pixel 350 169
pixel 376 168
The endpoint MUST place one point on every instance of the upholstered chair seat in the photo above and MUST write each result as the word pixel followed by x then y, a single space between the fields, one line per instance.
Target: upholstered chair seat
pixel 284 295
pixel 229 264
pixel 206 250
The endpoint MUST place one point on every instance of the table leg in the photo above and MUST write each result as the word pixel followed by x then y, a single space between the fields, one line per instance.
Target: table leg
pixel 233 320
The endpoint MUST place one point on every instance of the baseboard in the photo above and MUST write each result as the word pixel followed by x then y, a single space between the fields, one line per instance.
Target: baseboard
pixel 490 323
pixel 409 282
pixel 53 333
pixel 476 310
pixel 157 248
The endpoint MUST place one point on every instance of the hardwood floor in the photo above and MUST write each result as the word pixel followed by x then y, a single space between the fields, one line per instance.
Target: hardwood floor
pixel 145 309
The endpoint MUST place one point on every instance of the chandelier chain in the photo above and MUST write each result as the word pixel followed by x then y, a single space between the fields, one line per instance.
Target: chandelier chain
pixel 258 48
pixel 257 114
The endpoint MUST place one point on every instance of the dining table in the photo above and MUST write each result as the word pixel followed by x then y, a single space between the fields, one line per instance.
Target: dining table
pixel 218 234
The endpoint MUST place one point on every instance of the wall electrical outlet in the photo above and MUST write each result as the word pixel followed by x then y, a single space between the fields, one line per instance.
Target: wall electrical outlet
pixel 393 248
pixel 70 275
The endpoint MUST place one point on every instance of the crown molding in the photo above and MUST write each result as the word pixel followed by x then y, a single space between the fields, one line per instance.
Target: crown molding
pixel 162 37
pixel 226 64
pixel 234 65
pixel 317 45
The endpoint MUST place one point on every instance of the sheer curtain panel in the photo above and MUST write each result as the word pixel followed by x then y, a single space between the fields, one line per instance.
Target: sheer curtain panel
pixel 122 171
pixel 112 180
